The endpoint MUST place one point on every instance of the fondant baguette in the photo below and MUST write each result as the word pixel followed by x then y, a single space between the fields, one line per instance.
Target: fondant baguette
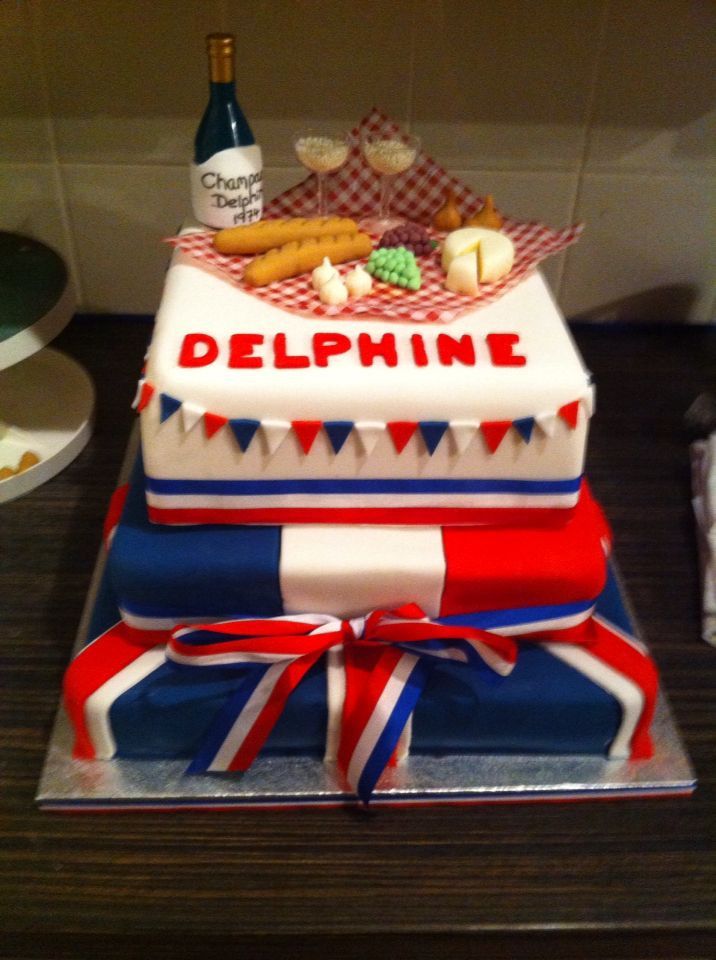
pixel 267 234
pixel 300 256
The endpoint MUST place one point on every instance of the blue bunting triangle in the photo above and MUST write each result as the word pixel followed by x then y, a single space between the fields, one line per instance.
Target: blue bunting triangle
pixel 433 432
pixel 338 431
pixel 168 406
pixel 524 426
pixel 244 431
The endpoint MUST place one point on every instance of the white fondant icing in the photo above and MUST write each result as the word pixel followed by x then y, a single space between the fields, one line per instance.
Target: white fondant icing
pixel 622 688
pixel 350 570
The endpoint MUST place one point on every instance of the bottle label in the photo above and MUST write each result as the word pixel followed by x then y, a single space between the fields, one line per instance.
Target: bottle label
pixel 227 190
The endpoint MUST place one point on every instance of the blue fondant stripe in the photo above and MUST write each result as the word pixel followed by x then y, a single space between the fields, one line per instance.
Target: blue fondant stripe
pixel 254 488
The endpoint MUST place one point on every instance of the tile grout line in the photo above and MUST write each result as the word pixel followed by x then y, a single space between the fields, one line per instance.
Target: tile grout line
pixel 589 112
pixel 66 217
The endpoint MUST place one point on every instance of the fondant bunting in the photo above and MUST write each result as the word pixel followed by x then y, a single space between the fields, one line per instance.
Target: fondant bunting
pixel 138 392
pixel 244 431
pixel 274 433
pixel 306 431
pixel 213 423
pixel 524 426
pixel 547 422
pixel 569 412
pixel 494 432
pixel 432 432
pixel 191 414
pixel 401 431
pixel 463 432
pixel 146 392
pixel 338 432
pixel 369 433
pixel 168 406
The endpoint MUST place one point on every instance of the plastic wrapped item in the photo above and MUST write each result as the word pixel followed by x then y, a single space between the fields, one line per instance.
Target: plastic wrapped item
pixel 703 470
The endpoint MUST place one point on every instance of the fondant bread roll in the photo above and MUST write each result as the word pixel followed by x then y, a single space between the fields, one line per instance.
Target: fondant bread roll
pixel 267 234
pixel 300 256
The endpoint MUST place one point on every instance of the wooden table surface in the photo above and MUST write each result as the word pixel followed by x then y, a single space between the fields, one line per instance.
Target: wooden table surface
pixel 629 878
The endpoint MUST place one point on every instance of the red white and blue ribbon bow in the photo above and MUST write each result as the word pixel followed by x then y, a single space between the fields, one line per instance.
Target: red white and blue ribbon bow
pixel 387 657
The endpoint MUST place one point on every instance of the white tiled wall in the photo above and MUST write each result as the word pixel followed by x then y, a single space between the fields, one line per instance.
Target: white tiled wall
pixel 601 110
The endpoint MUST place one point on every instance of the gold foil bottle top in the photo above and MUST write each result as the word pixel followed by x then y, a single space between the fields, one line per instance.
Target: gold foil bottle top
pixel 221 57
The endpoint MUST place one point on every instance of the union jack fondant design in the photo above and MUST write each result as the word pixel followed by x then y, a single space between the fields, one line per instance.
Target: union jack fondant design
pixel 218 694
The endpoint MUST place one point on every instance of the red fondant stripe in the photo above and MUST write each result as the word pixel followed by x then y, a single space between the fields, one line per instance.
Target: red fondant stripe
pixel 114 513
pixel 437 516
pixel 93 666
pixel 616 652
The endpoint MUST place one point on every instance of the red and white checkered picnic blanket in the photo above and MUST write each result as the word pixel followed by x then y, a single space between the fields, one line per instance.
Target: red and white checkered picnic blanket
pixel 355 192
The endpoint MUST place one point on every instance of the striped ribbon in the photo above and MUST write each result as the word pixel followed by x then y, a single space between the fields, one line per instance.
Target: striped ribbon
pixel 387 657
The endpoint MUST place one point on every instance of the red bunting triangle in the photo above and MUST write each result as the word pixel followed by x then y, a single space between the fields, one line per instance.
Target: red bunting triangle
pixel 145 395
pixel 401 431
pixel 494 432
pixel 569 413
pixel 213 422
pixel 306 431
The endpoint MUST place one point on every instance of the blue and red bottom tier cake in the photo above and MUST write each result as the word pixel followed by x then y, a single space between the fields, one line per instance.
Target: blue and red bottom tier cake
pixel 468 640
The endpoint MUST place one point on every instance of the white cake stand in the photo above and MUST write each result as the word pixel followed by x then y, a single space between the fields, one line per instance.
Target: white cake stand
pixel 46 398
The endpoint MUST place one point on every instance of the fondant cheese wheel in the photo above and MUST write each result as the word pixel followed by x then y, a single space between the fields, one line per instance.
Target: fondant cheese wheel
pixel 494 250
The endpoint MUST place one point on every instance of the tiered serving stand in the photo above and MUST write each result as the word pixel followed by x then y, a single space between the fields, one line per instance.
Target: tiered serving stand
pixel 46 398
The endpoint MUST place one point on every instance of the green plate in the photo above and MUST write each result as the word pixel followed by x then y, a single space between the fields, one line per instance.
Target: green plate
pixel 32 280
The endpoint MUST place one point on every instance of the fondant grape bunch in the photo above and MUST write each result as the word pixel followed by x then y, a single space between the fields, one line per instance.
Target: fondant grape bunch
pixel 409 235
pixel 395 265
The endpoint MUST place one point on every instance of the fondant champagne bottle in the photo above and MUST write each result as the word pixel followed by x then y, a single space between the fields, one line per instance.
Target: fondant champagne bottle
pixel 226 176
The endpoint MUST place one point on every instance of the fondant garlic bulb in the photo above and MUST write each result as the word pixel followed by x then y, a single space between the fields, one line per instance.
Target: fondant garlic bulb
pixel 333 291
pixel 323 273
pixel 358 282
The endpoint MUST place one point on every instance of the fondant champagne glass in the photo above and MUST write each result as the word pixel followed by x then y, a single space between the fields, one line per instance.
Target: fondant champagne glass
pixel 388 155
pixel 321 153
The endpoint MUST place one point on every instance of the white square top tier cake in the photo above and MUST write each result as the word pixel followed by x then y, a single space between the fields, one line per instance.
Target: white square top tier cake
pixel 253 414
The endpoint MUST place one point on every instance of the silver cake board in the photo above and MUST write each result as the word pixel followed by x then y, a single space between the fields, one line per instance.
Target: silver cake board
pixel 68 784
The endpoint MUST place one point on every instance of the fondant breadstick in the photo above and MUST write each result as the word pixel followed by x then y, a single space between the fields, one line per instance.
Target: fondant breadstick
pixel 300 256
pixel 267 234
